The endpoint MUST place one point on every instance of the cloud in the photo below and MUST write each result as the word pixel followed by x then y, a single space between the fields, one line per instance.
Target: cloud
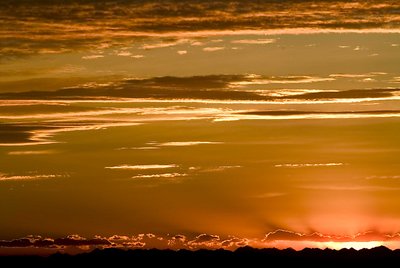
pixel 349 188
pixel 192 87
pixel 162 175
pixel 43 27
pixel 254 41
pixel 138 148
pixel 388 177
pixel 182 52
pixel 20 134
pixel 269 195
pixel 288 235
pixel 212 49
pixel 124 53
pixel 92 57
pixel 347 94
pixel 218 168
pixel 296 114
pixel 260 80
pixel 36 152
pixel 183 143
pixel 280 238
pixel 395 79
pixel 301 165
pixel 165 43
pixel 205 241
pixel 365 75
pixel 141 167
pixel 30 177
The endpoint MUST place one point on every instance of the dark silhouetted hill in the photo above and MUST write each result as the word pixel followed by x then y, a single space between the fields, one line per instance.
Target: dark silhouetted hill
pixel 245 256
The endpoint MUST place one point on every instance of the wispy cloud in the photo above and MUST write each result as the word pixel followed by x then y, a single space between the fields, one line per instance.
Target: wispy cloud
pixel 300 165
pixel 165 44
pixel 92 57
pixel 269 195
pixel 30 177
pixel 183 143
pixel 219 168
pixel 141 167
pixel 254 41
pixel 138 56
pixel 364 188
pixel 36 152
pixel 212 49
pixel 162 175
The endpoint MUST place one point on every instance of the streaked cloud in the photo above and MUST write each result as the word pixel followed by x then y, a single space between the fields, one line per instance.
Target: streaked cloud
pixel 138 56
pixel 92 57
pixel 218 168
pixel 211 87
pixel 361 188
pixel 212 49
pixel 30 177
pixel 183 143
pixel 269 195
pixel 141 167
pixel 260 80
pixel 387 177
pixel 300 165
pixel 36 152
pixel 365 75
pixel 162 175
pixel 182 52
pixel 166 43
pixel 254 41
pixel 138 148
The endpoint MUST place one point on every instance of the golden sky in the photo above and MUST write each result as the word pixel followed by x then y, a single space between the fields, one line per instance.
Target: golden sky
pixel 199 124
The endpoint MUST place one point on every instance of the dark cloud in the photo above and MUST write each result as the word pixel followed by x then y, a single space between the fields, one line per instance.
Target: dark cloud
pixel 38 241
pixel 31 27
pixel 196 87
pixel 292 112
pixel 214 87
pixel 346 94
pixel 16 133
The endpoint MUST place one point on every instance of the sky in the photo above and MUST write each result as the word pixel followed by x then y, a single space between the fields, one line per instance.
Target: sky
pixel 199 124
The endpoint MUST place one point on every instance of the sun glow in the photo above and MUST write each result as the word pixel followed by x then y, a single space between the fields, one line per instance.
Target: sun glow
pixel 352 244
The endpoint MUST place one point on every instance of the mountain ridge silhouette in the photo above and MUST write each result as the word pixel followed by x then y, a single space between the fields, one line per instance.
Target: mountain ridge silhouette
pixel 242 256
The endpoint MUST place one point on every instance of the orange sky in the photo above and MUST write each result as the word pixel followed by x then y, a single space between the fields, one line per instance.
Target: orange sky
pixel 198 125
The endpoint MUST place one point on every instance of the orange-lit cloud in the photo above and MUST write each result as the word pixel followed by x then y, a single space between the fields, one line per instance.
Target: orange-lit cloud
pixel 135 167
pixel 279 238
pixel 45 28
pixel 31 177
pixel 254 41
pixel 212 49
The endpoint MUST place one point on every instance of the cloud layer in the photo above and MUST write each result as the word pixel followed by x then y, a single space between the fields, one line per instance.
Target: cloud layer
pixel 212 87
pixel 48 27
pixel 280 238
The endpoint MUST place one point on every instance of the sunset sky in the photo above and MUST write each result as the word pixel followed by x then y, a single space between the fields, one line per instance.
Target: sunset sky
pixel 199 124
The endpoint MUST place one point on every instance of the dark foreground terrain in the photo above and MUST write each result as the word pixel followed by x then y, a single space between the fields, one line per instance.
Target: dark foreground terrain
pixel 245 256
